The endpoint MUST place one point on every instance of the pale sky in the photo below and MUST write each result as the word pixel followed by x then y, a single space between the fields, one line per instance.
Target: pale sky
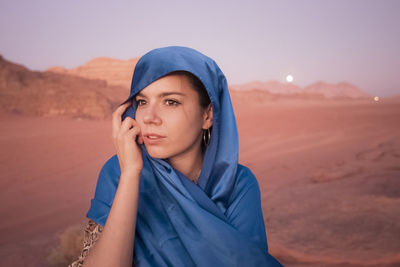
pixel 340 40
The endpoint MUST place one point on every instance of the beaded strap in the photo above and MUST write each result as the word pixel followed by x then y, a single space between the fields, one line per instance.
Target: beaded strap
pixel 92 233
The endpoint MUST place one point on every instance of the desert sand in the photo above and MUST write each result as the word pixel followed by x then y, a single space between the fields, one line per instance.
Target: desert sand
pixel 329 173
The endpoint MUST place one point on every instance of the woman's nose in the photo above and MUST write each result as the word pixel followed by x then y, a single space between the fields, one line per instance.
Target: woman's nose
pixel 151 115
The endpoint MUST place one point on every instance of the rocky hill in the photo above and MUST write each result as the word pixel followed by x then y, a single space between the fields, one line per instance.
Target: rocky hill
pixel 115 71
pixel 46 93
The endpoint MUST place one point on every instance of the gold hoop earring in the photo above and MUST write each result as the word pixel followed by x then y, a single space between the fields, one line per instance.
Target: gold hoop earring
pixel 206 137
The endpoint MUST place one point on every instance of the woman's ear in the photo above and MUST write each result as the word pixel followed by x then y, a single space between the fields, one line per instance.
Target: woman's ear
pixel 208 117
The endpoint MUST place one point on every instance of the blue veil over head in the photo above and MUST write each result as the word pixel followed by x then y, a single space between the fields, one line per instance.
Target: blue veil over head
pixel 215 223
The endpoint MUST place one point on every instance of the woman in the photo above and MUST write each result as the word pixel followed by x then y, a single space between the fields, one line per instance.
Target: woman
pixel 174 193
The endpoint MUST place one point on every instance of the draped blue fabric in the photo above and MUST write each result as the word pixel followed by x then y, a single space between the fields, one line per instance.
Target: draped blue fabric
pixel 218 222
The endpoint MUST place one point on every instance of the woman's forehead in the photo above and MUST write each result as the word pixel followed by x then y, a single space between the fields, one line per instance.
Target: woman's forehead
pixel 172 83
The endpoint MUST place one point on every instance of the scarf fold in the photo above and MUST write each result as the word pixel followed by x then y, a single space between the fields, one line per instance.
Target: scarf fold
pixel 218 222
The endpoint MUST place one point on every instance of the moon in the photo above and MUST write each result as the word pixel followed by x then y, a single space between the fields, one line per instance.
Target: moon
pixel 289 78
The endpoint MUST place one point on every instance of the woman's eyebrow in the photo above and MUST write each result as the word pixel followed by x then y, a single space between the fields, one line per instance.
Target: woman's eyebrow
pixel 163 94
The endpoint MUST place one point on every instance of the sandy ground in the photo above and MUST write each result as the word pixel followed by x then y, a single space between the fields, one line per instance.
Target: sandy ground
pixel 329 172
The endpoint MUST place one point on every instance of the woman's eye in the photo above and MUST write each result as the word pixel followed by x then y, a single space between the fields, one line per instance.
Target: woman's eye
pixel 140 102
pixel 171 102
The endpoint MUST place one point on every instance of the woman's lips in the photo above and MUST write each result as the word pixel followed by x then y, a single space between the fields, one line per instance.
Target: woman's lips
pixel 152 138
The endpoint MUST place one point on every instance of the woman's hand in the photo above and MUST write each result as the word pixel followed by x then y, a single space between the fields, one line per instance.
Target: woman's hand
pixel 116 243
pixel 124 136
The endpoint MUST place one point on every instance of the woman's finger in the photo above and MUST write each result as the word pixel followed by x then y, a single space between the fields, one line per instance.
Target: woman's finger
pixel 126 125
pixel 132 133
pixel 116 118
pixel 140 139
pixel 130 136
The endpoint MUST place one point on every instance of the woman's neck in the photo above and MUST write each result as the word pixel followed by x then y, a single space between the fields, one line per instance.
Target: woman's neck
pixel 189 164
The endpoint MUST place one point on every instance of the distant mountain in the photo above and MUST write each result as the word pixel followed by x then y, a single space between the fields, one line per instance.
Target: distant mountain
pixel 96 88
pixel 115 71
pixel 327 90
pixel 342 89
pixel 119 72
pixel 273 87
pixel 53 94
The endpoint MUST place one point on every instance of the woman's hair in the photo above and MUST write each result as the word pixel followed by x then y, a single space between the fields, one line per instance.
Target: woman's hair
pixel 197 85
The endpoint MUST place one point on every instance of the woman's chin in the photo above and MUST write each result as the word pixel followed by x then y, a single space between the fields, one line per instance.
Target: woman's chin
pixel 156 153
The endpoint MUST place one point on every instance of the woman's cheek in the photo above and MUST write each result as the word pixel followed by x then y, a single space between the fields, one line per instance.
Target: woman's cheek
pixel 176 125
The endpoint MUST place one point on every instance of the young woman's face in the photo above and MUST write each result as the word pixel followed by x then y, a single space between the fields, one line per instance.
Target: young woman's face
pixel 170 117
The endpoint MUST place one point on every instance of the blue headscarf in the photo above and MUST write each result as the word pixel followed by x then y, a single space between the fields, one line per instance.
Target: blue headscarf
pixel 218 222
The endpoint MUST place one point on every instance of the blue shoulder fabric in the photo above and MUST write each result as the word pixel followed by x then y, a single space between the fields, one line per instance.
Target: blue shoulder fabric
pixel 244 212
pixel 216 223
pixel 106 188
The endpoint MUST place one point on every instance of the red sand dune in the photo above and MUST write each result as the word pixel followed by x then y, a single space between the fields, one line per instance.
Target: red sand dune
pixel 328 170
pixel 330 179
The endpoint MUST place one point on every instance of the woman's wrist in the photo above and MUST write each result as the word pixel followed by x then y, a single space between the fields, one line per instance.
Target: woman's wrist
pixel 132 173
